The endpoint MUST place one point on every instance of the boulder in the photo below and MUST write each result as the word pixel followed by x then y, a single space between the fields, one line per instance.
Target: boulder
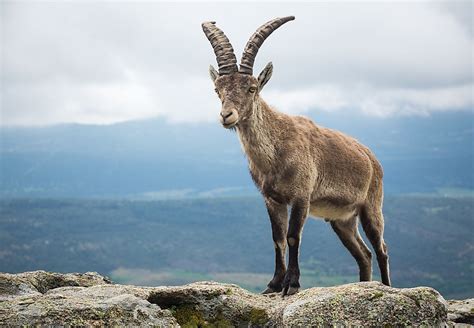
pixel 52 299
pixel 12 285
pixel 461 312
pixel 357 304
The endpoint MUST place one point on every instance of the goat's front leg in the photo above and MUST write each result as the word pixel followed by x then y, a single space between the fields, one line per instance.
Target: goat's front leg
pixel 279 218
pixel 299 213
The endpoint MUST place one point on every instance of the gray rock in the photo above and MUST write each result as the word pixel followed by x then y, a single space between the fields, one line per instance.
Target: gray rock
pixel 12 285
pixel 461 312
pixel 215 304
pixel 366 304
pixel 81 306
pixel 358 304
pixel 91 300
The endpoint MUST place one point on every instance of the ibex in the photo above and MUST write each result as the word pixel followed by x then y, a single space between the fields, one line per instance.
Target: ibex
pixel 294 162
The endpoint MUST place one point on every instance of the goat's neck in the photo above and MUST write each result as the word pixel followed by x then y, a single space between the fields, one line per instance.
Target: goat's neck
pixel 257 136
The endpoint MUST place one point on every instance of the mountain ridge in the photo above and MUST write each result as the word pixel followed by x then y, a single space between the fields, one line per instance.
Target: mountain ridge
pixel 419 154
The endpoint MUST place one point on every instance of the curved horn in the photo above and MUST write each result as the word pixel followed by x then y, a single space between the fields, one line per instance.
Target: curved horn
pixel 256 40
pixel 222 48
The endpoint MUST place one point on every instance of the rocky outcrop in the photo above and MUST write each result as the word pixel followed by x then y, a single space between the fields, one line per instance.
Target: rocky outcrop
pixel 42 298
pixel 13 285
pixel 461 312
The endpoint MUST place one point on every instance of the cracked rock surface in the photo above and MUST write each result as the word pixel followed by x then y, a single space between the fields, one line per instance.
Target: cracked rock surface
pixel 45 298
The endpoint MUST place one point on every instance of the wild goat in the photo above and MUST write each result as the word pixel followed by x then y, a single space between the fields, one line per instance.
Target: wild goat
pixel 315 170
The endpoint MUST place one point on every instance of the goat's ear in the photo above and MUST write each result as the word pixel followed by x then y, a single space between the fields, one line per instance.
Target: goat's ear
pixel 265 75
pixel 213 73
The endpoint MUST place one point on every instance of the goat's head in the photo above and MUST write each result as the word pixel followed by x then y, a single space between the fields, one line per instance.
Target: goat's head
pixel 237 88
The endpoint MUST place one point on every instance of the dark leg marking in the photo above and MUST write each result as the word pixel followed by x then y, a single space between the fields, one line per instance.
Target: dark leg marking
pixel 298 217
pixel 373 224
pixel 279 219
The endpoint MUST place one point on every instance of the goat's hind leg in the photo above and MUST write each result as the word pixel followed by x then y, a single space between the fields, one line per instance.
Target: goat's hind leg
pixel 279 219
pixel 373 224
pixel 348 233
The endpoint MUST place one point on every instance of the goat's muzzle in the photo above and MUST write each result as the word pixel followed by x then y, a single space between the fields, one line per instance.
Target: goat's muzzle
pixel 229 118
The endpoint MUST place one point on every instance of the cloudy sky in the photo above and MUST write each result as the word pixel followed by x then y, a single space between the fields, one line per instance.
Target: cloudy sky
pixel 105 62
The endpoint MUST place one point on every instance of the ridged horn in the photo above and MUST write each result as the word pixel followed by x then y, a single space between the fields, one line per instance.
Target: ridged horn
pixel 222 48
pixel 256 40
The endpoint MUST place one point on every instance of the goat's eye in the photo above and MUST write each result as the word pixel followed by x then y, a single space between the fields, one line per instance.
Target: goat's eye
pixel 252 89
pixel 217 91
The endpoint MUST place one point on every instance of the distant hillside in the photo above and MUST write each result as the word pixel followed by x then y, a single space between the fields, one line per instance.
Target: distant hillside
pixel 174 242
pixel 153 160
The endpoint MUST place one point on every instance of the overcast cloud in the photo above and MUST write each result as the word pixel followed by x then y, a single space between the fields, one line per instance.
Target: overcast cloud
pixel 104 62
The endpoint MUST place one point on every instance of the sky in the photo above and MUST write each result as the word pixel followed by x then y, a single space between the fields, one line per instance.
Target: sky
pixel 105 62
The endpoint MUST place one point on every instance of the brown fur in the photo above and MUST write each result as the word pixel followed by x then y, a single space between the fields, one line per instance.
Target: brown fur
pixel 314 170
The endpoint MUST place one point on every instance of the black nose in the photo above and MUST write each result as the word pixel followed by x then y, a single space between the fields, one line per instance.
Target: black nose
pixel 226 115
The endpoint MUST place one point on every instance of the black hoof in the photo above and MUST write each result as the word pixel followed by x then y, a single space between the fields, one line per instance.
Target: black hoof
pixel 269 290
pixel 290 291
pixel 291 283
